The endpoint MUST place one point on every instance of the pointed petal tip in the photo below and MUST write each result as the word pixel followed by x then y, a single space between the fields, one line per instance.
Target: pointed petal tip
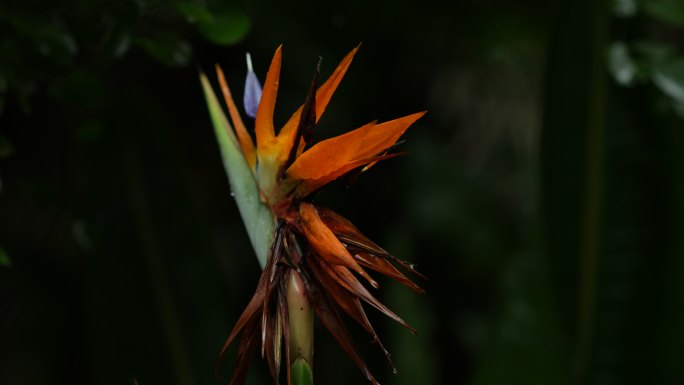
pixel 370 280
pixel 416 115
pixel 248 58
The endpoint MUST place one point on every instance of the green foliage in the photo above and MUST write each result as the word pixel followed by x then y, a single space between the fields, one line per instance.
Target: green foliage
pixel 6 148
pixel 168 49
pixel 40 41
pixel 221 25
pixel 652 59
pixel 668 11
pixel 4 258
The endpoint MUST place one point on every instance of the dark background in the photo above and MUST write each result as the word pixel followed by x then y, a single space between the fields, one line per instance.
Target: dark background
pixel 543 193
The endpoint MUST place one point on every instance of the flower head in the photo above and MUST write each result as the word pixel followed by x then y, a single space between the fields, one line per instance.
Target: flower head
pixel 317 257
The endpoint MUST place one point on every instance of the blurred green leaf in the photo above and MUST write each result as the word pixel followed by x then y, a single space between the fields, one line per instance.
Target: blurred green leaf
pixel 621 64
pixel 168 49
pixel 257 218
pixel 653 51
pixel 6 148
pixel 220 24
pixel 225 28
pixel 573 140
pixel 669 78
pixel 194 12
pixel 117 43
pixel 50 36
pixel 3 89
pixel 527 344
pixel 4 258
pixel 624 8
pixel 89 132
pixel 668 11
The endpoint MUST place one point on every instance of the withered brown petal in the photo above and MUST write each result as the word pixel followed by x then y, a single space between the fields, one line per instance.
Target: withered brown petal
pixel 382 265
pixel 334 323
pixel 285 319
pixel 349 234
pixel 248 344
pixel 349 303
pixel 357 288
pixel 251 310
pixel 272 344
pixel 341 226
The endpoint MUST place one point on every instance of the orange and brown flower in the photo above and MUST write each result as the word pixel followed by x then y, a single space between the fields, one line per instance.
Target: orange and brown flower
pixel 317 256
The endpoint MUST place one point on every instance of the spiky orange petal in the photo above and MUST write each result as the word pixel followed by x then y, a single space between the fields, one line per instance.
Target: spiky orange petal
pixel 327 89
pixel 243 136
pixel 265 133
pixel 324 242
pixel 330 155
pixel 310 185
pixel 323 96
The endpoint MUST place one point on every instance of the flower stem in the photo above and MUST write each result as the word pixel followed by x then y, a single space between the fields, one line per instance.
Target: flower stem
pixel 300 373
pixel 301 331
pixel 153 255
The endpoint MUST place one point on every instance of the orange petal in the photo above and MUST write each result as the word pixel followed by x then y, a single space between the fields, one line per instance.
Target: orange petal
pixel 365 251
pixel 324 242
pixel 327 89
pixel 310 185
pixel 243 136
pixel 342 227
pixel 264 120
pixel 330 155
pixel 323 96
pixel 385 135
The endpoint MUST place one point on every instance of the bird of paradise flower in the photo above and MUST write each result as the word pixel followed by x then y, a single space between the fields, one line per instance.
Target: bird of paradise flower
pixel 314 256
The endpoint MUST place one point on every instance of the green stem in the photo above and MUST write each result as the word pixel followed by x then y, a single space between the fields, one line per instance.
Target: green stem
pixel 155 267
pixel 300 373
pixel 301 331
pixel 593 187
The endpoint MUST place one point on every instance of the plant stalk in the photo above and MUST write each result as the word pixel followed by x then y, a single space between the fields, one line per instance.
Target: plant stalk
pixel 301 331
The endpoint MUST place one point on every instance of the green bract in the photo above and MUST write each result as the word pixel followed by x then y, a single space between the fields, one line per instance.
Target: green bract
pixel 258 219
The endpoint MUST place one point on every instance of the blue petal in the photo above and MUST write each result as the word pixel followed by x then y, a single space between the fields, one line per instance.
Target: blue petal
pixel 252 90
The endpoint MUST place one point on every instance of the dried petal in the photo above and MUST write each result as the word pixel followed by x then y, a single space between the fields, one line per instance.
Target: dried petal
pixel 383 266
pixel 330 317
pixel 349 303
